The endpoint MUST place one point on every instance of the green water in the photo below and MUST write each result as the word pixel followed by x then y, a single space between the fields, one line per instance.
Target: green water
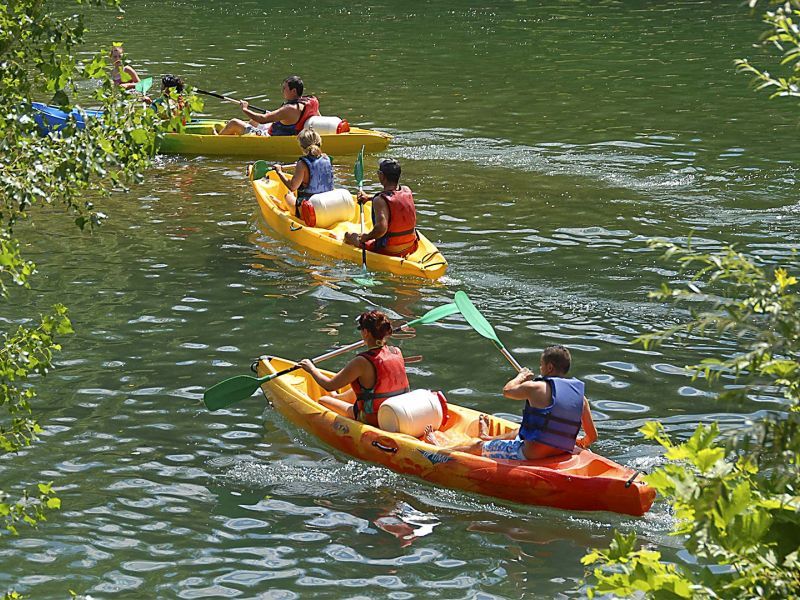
pixel 545 143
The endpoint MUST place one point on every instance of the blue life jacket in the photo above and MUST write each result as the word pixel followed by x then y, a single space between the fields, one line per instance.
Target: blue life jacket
pixel 320 175
pixel 278 128
pixel 558 424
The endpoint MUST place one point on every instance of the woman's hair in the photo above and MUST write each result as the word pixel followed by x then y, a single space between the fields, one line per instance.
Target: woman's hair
pixel 377 323
pixel 310 141
pixel 172 81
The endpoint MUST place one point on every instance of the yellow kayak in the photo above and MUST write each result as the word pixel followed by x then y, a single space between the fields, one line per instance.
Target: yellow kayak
pixel 426 261
pixel 199 138
pixel 582 481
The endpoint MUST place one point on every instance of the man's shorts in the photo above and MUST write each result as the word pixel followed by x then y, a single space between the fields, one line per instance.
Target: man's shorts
pixel 504 449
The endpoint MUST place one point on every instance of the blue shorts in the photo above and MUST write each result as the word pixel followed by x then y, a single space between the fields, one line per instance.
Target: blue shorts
pixel 504 449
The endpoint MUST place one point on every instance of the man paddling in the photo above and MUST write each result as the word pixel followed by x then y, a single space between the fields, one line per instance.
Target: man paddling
pixel 394 215
pixel 288 119
pixel 555 410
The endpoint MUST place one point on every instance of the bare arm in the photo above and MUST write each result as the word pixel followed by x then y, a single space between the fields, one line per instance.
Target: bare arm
pixel 132 78
pixel 381 225
pixel 299 177
pixel 351 371
pixel 284 112
pixel 587 422
pixel 521 387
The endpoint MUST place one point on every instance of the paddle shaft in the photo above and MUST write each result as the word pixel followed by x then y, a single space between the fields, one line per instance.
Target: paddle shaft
pixel 509 357
pixel 327 355
pixel 229 99
pixel 363 245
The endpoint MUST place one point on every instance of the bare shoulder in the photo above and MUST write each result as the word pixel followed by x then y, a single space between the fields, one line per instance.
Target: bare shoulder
pixel 538 393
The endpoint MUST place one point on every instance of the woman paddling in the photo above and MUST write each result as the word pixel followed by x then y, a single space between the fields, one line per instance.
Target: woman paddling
pixel 375 374
pixel 313 172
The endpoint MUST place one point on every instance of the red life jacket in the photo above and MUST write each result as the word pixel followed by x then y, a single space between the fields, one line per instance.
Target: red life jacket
pixel 310 106
pixel 390 380
pixel 402 221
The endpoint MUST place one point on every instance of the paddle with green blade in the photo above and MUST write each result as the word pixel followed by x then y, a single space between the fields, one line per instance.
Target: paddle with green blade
pixel 242 387
pixel 479 323
pixel 358 174
pixel 144 85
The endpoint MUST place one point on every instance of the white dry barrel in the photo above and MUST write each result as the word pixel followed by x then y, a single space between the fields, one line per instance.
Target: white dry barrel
pixel 411 412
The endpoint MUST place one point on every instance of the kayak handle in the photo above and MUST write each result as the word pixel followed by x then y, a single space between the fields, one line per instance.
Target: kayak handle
pixel 380 446
pixel 293 228
pixel 636 473
pixel 436 264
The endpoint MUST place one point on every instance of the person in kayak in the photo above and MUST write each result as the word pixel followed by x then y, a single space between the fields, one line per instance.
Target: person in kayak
pixel 120 71
pixel 555 410
pixel 288 119
pixel 376 374
pixel 313 172
pixel 171 100
pixel 394 216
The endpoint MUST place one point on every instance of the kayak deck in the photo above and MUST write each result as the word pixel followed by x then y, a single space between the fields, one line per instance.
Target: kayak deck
pixel 582 481
pixel 426 261
pixel 198 138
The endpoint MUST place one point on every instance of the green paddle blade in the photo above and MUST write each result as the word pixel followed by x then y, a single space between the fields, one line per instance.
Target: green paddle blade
pixel 358 169
pixel 144 85
pixel 260 169
pixel 230 391
pixel 365 281
pixel 440 312
pixel 475 319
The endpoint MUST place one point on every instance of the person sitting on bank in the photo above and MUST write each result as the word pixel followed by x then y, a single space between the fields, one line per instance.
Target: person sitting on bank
pixel 288 119
pixel 313 172
pixel 555 410
pixel 394 216
pixel 120 71
pixel 374 375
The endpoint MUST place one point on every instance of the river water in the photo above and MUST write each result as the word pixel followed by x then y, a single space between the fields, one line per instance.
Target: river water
pixel 545 143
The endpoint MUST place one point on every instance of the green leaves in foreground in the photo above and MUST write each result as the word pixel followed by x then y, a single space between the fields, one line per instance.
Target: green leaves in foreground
pixel 734 497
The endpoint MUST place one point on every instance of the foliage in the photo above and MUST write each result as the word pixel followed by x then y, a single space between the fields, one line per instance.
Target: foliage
pixel 73 168
pixel 735 500
pixel 784 34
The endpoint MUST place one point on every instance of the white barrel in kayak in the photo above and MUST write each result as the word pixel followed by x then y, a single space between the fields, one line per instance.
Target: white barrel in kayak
pixel 328 208
pixel 411 412
pixel 327 125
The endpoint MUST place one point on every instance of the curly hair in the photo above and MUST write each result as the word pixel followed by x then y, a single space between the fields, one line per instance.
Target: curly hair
pixel 376 323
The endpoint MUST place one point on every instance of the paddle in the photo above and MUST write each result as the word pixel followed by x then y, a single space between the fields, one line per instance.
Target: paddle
pixel 479 323
pixel 358 174
pixel 144 85
pixel 241 387
pixel 229 99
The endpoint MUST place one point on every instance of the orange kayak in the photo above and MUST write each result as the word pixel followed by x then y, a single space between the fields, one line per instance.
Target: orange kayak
pixel 583 481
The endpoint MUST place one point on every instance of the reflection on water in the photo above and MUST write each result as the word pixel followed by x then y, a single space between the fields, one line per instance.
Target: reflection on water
pixel 540 169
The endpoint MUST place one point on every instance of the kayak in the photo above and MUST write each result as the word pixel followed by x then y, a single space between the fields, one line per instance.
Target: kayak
pixel 198 138
pixel 426 261
pixel 51 118
pixel 583 482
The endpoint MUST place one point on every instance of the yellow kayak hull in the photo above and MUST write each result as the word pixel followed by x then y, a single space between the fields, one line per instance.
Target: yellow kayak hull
pixel 425 262
pixel 198 138
pixel 584 481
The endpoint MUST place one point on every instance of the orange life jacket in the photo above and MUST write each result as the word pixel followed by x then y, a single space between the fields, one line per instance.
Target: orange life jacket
pixel 402 222
pixel 390 380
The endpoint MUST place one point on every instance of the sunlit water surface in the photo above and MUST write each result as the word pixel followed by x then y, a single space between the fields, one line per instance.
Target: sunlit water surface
pixel 545 143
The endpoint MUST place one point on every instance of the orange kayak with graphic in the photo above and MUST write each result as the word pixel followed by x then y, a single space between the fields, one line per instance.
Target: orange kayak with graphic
pixel 583 481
